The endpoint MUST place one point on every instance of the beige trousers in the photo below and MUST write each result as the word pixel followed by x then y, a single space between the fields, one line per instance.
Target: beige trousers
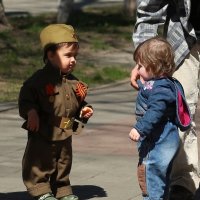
pixel 185 170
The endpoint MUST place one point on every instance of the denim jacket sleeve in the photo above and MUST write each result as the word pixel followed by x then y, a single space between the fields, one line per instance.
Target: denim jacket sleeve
pixel 161 97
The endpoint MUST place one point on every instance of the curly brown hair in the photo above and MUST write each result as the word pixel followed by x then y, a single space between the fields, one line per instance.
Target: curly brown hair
pixel 157 56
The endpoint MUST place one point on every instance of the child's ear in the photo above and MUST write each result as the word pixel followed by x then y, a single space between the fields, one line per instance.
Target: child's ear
pixel 50 55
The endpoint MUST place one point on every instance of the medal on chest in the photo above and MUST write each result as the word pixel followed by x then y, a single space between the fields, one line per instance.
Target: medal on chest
pixel 50 91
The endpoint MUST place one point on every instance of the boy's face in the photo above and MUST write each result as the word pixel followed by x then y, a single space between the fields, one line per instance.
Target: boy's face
pixel 64 58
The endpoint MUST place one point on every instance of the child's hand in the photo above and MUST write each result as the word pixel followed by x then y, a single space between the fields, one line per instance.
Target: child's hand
pixel 134 135
pixel 86 112
pixel 33 121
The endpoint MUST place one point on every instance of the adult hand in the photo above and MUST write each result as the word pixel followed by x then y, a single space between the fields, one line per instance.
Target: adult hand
pixel 134 77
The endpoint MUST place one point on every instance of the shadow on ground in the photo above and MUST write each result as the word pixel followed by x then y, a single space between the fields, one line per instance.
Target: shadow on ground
pixel 15 196
pixel 84 192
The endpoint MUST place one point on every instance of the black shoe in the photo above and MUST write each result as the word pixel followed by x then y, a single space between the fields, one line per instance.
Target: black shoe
pixel 178 192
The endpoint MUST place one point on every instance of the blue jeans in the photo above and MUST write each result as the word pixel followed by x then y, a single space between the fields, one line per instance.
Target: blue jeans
pixel 156 154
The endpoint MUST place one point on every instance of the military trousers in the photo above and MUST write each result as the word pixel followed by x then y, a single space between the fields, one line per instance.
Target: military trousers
pixel 46 166
pixel 185 170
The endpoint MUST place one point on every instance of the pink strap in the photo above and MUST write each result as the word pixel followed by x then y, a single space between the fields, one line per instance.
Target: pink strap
pixel 183 112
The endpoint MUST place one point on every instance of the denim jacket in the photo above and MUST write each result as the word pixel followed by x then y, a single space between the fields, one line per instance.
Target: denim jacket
pixel 157 103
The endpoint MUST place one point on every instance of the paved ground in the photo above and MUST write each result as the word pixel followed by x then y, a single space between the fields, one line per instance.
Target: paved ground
pixel 105 159
pixel 35 7
pixel 104 165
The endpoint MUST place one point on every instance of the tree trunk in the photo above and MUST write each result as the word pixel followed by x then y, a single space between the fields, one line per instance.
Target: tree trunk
pixel 4 24
pixel 129 7
pixel 64 10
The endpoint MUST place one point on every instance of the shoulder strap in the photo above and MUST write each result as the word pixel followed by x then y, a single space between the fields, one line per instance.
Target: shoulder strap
pixel 195 14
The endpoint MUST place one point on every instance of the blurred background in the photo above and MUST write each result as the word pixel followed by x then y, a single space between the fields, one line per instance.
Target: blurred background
pixel 104 29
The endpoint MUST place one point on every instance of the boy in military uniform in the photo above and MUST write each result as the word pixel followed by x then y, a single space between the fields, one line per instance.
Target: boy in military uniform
pixel 51 101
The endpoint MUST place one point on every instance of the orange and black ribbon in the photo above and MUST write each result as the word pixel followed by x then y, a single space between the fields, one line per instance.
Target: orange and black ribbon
pixel 81 91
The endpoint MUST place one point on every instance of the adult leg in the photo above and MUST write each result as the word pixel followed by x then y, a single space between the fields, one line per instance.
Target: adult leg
pixel 185 169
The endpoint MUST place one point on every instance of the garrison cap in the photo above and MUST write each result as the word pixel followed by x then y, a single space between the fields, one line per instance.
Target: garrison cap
pixel 57 33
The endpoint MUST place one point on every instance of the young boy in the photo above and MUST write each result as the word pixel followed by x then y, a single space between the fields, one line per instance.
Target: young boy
pixel 50 101
pixel 160 109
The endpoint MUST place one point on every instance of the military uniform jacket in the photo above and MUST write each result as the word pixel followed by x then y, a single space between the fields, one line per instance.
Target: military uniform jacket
pixel 55 97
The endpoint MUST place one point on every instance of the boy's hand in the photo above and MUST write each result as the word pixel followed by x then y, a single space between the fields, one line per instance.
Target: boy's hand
pixel 134 135
pixel 86 112
pixel 33 121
